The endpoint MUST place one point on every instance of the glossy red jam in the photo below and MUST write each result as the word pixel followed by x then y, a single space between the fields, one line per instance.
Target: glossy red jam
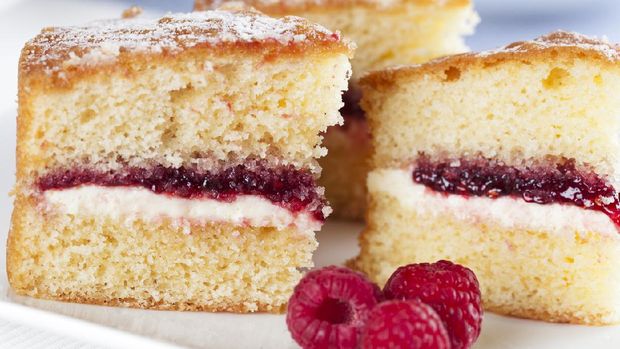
pixel 562 183
pixel 286 186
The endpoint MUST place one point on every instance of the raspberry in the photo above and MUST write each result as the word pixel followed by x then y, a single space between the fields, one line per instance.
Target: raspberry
pixel 329 307
pixel 404 324
pixel 450 289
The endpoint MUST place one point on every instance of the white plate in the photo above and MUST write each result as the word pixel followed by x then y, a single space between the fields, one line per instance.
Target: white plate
pixel 116 327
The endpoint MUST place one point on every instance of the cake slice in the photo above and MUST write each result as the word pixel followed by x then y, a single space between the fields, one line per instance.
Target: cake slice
pixel 171 163
pixel 507 162
pixel 425 29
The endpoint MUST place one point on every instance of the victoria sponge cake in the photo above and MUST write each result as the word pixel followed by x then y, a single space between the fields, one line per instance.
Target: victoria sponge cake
pixel 171 163
pixel 507 162
pixel 387 33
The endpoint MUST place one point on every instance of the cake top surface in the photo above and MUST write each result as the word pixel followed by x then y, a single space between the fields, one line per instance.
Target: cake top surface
pixel 551 46
pixel 240 28
pixel 290 6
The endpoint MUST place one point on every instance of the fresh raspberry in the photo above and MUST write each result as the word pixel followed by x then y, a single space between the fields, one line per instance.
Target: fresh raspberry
pixel 329 307
pixel 451 289
pixel 404 324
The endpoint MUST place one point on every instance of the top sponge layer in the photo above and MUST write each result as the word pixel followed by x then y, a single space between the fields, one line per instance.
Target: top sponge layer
pixel 559 44
pixel 552 97
pixel 206 89
pixel 63 50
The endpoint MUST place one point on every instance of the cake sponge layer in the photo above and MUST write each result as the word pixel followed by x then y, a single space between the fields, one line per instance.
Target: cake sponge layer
pixel 158 265
pixel 197 109
pixel 426 29
pixel 198 89
pixel 569 277
pixel 554 96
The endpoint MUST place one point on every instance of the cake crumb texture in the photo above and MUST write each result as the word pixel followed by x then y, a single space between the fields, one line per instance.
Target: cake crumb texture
pixel 92 259
pixel 569 278
pixel 554 96
pixel 196 110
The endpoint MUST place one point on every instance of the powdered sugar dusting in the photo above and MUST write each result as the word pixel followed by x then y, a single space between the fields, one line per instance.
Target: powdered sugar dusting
pixel 103 41
pixel 561 38
pixel 557 39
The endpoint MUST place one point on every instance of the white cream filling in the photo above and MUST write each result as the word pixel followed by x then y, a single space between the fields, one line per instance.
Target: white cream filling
pixel 131 203
pixel 507 212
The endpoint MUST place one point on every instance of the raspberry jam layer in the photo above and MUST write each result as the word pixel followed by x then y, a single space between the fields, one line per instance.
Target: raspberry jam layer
pixel 293 189
pixel 562 183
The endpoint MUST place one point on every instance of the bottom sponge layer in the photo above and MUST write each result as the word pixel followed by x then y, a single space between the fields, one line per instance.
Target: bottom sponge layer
pixel 158 265
pixel 570 277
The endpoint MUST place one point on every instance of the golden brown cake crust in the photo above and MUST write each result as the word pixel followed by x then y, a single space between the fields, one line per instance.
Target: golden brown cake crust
pixel 290 6
pixel 159 305
pixel 550 46
pixel 64 53
pixel 542 315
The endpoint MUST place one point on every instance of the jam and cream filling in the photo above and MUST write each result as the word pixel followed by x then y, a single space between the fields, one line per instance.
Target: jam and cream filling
pixel 135 202
pixel 258 195
pixel 556 183
pixel 509 211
